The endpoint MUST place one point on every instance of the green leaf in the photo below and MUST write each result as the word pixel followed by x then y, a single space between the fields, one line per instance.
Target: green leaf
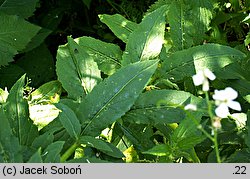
pixel 95 143
pixel 36 157
pixel 159 150
pixel 106 55
pixel 43 140
pixel 161 107
pixel 10 149
pixel 114 96
pixel 187 134
pixel 69 121
pixel 145 42
pixel 15 34
pixel 52 153
pixel 187 62
pixel 42 115
pixel 119 25
pixel 23 8
pixel 87 160
pixel 76 70
pixel 47 93
pixel 189 20
pixel 18 114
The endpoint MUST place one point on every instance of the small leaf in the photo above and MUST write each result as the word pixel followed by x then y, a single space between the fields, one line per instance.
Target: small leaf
pixel 52 153
pixel 145 42
pixel 69 121
pixel 43 140
pixel 119 25
pixel 114 96
pixel 15 34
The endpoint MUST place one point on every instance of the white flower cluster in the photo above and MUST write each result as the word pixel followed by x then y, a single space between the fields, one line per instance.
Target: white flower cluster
pixel 224 99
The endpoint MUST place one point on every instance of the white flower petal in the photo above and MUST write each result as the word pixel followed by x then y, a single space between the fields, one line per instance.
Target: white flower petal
pixel 222 111
pixel 234 105
pixel 219 95
pixel 209 74
pixel 230 93
pixel 198 78
pixel 191 107
pixel 205 86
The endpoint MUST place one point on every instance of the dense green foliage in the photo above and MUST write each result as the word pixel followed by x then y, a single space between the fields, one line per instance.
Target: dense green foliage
pixel 109 81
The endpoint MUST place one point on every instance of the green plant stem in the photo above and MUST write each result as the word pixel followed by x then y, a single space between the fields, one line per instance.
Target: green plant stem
pixel 215 137
pixel 69 152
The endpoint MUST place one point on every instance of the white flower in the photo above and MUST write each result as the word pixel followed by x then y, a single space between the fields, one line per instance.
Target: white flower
pixel 201 78
pixel 191 107
pixel 224 100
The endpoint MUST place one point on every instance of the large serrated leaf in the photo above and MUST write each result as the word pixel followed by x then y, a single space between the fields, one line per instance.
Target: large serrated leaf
pixel 110 99
pixel 106 55
pixel 18 113
pixel 76 70
pixel 10 149
pixel 189 20
pixel 23 8
pixel 69 121
pixel 145 42
pixel 15 34
pixel 187 62
pixel 119 25
pixel 161 107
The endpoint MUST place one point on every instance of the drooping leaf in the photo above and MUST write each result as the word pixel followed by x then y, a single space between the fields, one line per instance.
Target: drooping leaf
pixel 114 96
pixel 10 149
pixel 119 25
pixel 15 34
pixel 145 42
pixel 187 62
pixel 52 153
pixel 23 8
pixel 189 20
pixel 76 70
pixel 18 113
pixel 69 121
pixel 161 107
pixel 106 55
